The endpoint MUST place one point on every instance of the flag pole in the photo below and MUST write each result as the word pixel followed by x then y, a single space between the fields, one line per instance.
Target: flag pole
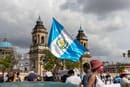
pixel 81 65
pixel 64 64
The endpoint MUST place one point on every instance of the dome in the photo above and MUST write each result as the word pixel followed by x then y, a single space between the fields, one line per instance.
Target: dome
pixel 5 44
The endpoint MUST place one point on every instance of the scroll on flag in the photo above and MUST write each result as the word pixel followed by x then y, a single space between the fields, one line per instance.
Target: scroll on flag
pixel 62 45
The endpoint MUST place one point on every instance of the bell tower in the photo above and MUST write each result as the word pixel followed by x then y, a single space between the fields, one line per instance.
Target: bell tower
pixel 82 38
pixel 39 44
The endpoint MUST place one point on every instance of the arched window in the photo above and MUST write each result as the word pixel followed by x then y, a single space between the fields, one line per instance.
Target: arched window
pixel 34 40
pixel 38 38
pixel 42 39
pixel 84 45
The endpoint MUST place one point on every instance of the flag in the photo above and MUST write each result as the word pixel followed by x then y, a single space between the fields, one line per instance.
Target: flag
pixel 62 45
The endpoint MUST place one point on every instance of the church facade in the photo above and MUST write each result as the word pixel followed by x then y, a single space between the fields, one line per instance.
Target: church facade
pixel 39 45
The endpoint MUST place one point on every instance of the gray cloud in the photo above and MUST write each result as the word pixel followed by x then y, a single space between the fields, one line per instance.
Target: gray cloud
pixel 107 25
pixel 17 20
pixel 103 46
pixel 18 35
pixel 96 6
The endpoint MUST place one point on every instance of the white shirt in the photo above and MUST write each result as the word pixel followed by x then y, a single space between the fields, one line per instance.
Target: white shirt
pixel 99 82
pixel 48 74
pixel 74 80
pixel 125 82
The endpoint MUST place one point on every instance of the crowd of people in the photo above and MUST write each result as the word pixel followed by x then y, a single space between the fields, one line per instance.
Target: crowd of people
pixel 93 76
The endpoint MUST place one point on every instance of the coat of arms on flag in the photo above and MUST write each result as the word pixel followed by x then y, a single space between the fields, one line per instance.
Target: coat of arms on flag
pixel 62 45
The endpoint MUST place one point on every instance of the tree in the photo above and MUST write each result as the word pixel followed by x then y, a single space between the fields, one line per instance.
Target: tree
pixel 71 64
pixel 50 60
pixel 7 62
pixel 49 65
pixel 121 68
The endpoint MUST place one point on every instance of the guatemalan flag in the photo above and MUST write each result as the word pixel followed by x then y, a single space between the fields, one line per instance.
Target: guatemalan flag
pixel 62 45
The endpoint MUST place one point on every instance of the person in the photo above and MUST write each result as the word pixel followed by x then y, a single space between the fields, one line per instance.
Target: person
pixel 96 68
pixel 25 78
pixel 32 76
pixel 1 78
pixel 102 76
pixel 64 77
pixel 124 80
pixel 73 79
pixel 117 79
pixel 39 78
pixel 5 77
pixel 17 77
pixel 86 68
pixel 10 76
pixel 48 76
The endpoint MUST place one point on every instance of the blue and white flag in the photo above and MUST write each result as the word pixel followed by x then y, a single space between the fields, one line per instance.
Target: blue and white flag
pixel 62 45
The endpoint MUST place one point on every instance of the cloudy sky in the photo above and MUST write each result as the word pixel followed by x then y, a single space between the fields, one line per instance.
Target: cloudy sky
pixel 105 22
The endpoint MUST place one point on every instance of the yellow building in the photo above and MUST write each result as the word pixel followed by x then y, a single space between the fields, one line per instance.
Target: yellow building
pixel 7 50
pixel 39 44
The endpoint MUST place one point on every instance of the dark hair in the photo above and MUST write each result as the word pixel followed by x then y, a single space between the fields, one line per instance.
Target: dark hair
pixel 86 65
pixel 70 72
pixel 123 75
pixel 17 73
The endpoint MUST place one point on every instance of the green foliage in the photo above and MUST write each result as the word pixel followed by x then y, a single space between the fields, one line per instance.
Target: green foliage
pixel 72 65
pixel 50 61
pixel 121 67
pixel 7 62
pixel 49 65
pixel 49 55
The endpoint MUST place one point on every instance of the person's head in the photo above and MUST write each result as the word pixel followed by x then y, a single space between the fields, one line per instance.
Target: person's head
pixel 96 66
pixel 86 67
pixel 39 78
pixel 11 76
pixel 70 72
pixel 125 73
pixel 32 77
pixel 18 73
pixel 25 78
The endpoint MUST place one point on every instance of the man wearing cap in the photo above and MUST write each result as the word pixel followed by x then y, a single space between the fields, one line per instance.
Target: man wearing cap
pixel 124 81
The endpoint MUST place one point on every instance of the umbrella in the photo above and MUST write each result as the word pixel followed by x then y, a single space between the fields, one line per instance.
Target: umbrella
pixel 32 77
